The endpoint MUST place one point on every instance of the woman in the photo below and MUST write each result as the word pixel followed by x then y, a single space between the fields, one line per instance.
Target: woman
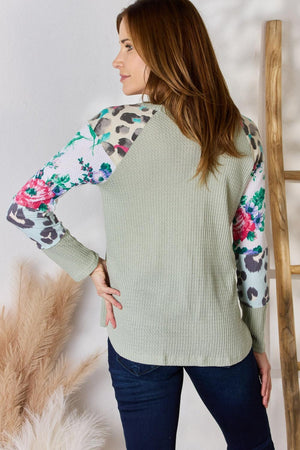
pixel 175 173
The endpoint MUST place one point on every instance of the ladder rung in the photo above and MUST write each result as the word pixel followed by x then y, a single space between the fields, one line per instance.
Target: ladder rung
pixel 293 175
pixel 295 270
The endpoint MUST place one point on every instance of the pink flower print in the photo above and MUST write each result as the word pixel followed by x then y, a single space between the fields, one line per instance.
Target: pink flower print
pixel 34 194
pixel 242 225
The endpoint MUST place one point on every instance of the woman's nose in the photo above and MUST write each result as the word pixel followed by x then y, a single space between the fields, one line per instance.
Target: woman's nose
pixel 117 62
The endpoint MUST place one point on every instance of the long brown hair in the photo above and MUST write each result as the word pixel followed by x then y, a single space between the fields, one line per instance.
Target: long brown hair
pixel 185 76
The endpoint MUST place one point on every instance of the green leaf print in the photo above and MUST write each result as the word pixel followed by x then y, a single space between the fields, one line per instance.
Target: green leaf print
pixel 238 250
pixel 31 191
pixel 106 167
pixel 251 236
pixel 60 181
pixel 243 200
pixel 43 207
pixel 92 131
pixel 258 198
pixel 58 155
pixel 77 137
pixel 95 139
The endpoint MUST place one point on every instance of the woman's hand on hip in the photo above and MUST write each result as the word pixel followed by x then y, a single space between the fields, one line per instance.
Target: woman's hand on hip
pixel 100 279
pixel 265 376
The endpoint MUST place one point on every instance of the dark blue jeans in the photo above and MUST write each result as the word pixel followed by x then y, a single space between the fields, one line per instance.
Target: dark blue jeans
pixel 148 399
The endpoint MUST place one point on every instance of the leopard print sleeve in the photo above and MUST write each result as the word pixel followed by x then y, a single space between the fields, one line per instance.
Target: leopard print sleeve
pixel 249 239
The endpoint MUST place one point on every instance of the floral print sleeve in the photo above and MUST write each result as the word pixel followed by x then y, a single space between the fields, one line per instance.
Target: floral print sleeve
pixel 249 242
pixel 83 160
pixel 90 157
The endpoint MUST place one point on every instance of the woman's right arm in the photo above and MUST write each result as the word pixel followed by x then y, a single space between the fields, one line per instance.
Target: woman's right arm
pixel 83 160
pixel 250 246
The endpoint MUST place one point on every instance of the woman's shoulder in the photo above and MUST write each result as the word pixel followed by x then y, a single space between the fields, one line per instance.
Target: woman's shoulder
pixel 251 132
pixel 125 114
pixel 117 127
pixel 249 126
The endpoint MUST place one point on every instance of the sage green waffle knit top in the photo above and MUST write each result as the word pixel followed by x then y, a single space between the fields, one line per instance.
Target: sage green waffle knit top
pixel 190 261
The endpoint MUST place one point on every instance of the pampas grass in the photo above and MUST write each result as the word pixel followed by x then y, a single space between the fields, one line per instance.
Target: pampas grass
pixel 57 429
pixel 32 336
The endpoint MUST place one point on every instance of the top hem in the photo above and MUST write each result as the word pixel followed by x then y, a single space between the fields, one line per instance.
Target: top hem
pixel 192 360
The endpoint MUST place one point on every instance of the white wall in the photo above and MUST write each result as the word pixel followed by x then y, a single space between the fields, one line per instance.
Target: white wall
pixel 55 74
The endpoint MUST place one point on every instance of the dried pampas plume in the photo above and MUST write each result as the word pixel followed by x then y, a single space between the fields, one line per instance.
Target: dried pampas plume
pixel 32 336
pixel 57 429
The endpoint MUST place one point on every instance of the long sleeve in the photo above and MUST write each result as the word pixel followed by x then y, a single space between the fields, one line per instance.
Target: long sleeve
pixel 83 160
pixel 250 247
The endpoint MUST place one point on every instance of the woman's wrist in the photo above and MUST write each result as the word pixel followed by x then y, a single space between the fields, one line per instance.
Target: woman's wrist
pixel 100 262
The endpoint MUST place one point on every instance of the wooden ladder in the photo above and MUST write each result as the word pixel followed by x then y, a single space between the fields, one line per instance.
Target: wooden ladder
pixel 284 270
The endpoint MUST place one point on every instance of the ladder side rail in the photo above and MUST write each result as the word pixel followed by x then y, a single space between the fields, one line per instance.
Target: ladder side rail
pixel 287 341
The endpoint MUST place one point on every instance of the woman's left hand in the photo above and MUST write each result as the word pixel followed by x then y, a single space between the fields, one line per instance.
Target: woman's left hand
pixel 265 376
